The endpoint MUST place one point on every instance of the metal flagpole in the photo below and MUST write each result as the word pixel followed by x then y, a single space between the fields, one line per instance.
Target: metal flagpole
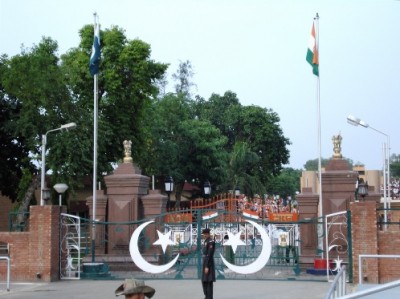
pixel 320 204
pixel 319 119
pixel 95 115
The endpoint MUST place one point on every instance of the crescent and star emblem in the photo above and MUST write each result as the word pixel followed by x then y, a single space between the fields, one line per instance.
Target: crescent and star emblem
pixel 234 241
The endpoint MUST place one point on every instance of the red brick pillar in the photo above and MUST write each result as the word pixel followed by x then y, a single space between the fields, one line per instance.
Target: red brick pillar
pixel 154 204
pixel 101 215
pixel 308 209
pixel 364 234
pixel 44 242
pixel 125 187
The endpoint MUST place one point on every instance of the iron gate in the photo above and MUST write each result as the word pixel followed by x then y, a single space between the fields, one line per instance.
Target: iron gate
pixel 185 229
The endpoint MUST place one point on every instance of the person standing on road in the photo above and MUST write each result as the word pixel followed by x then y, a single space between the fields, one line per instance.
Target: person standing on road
pixel 208 274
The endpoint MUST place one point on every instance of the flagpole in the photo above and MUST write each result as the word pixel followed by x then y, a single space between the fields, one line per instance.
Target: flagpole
pixel 321 227
pixel 95 115
pixel 321 210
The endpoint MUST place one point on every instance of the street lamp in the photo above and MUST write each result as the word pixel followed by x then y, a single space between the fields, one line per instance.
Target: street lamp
pixel 363 189
pixel 237 191
pixel 44 141
pixel 207 188
pixel 60 188
pixel 355 121
pixel 169 187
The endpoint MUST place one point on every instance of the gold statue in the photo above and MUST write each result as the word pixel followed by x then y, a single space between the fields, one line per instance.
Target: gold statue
pixel 337 147
pixel 128 151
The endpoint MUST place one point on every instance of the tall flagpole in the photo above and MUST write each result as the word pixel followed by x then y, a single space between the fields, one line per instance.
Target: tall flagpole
pixel 320 210
pixel 95 115
pixel 321 226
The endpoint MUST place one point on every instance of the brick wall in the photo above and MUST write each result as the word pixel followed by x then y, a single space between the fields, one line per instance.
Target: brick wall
pixel 35 254
pixel 389 244
pixel 364 235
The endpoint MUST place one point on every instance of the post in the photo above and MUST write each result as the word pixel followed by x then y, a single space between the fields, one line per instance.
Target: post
pixel 42 178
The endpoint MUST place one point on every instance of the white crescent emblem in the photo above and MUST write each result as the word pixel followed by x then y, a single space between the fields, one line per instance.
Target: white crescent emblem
pixel 138 258
pixel 262 259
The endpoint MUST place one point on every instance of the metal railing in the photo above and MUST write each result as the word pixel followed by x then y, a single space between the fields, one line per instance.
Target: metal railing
pixel 8 270
pixel 373 290
pixel 338 286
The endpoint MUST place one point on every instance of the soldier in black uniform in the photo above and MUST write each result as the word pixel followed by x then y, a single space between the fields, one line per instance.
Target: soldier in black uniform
pixel 208 274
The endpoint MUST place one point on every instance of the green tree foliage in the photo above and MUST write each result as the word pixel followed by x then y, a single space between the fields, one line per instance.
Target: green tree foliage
pixel 50 92
pixel 252 130
pixel 185 147
pixel 14 153
pixel 395 166
pixel 287 183
pixel 190 139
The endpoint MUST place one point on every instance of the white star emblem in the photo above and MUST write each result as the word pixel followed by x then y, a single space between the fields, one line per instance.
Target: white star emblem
pixel 234 241
pixel 338 264
pixel 164 240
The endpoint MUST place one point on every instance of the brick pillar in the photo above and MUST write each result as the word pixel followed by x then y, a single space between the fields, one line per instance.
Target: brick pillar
pixel 101 215
pixel 154 204
pixel 44 242
pixel 308 209
pixel 364 234
pixel 125 188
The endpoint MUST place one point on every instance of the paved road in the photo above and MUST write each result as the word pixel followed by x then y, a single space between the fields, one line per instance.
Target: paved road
pixel 176 289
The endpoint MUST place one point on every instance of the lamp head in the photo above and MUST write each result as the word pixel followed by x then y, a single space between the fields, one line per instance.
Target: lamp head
pixel 68 126
pixel 352 120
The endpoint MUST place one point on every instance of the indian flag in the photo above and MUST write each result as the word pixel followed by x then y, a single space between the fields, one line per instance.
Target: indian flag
pixel 210 215
pixel 312 52
pixel 250 214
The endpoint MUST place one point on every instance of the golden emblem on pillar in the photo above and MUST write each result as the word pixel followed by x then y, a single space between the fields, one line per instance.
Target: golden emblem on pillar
pixel 127 151
pixel 337 146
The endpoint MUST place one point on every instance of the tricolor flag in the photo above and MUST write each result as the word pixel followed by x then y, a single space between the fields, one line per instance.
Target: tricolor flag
pixel 95 57
pixel 210 215
pixel 312 52
pixel 250 214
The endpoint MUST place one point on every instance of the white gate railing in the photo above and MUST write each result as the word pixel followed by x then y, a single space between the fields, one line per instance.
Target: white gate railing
pixel 70 247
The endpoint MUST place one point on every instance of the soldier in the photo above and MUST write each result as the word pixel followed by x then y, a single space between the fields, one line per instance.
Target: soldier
pixel 208 274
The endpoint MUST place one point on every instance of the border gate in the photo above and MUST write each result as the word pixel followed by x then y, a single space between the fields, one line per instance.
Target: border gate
pixel 184 228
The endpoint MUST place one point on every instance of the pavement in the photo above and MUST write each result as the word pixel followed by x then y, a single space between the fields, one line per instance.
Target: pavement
pixel 176 289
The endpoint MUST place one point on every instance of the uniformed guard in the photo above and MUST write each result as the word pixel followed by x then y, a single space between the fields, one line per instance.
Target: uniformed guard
pixel 208 274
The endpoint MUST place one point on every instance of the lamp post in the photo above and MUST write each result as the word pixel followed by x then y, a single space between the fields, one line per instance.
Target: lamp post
pixel 169 187
pixel 207 188
pixel 60 188
pixel 363 189
pixel 237 191
pixel 44 141
pixel 355 121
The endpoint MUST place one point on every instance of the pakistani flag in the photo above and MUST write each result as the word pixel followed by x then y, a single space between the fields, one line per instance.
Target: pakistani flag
pixel 95 57
pixel 312 52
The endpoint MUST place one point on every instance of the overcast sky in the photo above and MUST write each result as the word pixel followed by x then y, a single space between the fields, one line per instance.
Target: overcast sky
pixel 257 49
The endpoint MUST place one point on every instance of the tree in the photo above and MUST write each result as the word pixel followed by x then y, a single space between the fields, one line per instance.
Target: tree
pixel 186 148
pixel 51 92
pixel 183 78
pixel 287 183
pixel 240 170
pixel 34 97
pixel 13 149
pixel 395 166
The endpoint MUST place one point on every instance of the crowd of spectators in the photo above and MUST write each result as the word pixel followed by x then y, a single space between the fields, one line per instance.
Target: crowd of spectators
pixel 268 204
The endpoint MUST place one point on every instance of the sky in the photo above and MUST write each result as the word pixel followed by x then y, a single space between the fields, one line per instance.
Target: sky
pixel 256 49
